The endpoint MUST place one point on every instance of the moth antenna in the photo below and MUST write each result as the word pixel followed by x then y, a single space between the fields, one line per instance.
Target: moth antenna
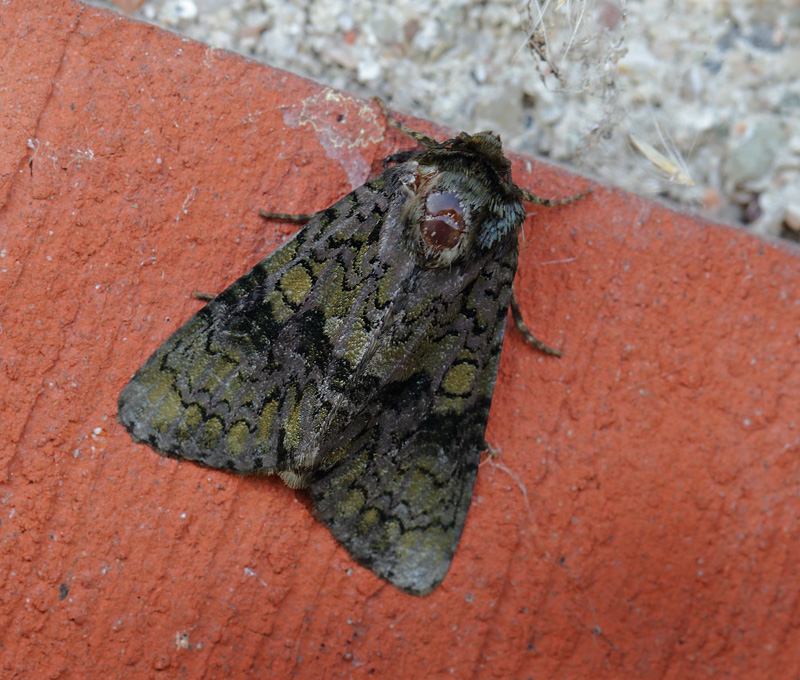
pixel 301 218
pixel 519 322
pixel 401 157
pixel 423 139
pixel 551 202
pixel 205 297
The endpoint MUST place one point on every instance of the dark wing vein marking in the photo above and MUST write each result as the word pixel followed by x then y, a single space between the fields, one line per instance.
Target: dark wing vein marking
pixel 241 385
pixel 397 485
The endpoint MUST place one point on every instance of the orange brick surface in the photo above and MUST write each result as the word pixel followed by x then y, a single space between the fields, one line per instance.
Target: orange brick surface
pixel 641 519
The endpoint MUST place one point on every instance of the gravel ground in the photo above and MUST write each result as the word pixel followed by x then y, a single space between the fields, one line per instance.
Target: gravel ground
pixel 697 102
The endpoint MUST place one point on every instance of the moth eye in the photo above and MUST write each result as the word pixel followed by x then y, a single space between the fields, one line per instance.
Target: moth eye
pixel 443 224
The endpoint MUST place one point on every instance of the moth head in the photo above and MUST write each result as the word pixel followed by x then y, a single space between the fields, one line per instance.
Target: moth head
pixel 461 198
pixel 436 216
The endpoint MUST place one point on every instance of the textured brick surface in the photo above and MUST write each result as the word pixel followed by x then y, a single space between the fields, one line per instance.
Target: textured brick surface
pixel 641 520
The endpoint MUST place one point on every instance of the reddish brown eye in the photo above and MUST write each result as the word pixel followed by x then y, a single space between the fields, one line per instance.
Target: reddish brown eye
pixel 439 234
pixel 444 221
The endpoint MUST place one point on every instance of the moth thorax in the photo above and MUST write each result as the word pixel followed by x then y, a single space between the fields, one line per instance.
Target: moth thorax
pixel 439 218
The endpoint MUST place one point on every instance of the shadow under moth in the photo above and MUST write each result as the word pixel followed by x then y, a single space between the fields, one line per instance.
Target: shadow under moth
pixel 358 360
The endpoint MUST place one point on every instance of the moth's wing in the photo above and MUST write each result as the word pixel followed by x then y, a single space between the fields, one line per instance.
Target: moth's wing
pixel 252 380
pixel 401 474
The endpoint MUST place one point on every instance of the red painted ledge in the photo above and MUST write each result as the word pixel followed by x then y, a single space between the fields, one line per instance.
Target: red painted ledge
pixel 641 521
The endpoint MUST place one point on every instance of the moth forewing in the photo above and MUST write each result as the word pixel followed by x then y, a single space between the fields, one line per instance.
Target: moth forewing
pixel 359 359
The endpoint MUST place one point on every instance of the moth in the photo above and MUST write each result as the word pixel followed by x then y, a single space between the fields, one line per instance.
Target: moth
pixel 358 360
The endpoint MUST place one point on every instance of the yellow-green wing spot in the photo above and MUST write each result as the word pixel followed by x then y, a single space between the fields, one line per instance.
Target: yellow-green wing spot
pixel 295 284
pixel 459 379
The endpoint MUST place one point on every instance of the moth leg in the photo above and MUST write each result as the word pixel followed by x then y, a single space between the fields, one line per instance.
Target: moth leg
pixel 550 202
pixel 300 218
pixel 519 322
pixel 423 139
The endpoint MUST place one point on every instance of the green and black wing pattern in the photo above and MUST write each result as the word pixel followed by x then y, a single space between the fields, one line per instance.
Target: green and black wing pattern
pixel 359 359
pixel 397 488
pixel 250 381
